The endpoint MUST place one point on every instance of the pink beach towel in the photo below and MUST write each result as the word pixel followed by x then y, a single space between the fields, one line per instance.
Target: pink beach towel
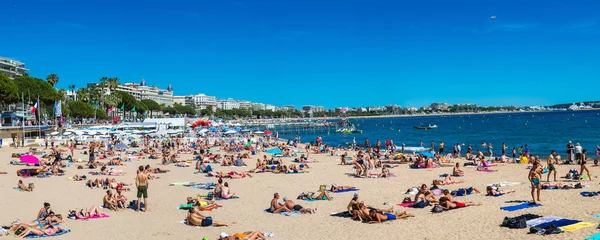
pixel 406 205
pixel 95 217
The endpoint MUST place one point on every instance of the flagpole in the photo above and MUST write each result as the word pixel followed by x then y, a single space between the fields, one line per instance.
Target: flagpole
pixel 23 120
pixel 39 118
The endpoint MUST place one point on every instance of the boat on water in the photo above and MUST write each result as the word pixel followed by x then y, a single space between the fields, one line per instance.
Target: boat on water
pixel 346 127
pixel 426 127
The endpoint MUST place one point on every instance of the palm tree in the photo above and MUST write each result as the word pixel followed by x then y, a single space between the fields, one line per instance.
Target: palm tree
pixel 62 93
pixel 83 94
pixel 113 83
pixel 52 79
pixel 72 88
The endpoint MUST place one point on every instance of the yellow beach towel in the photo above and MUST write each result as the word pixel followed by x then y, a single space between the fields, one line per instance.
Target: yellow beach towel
pixel 576 226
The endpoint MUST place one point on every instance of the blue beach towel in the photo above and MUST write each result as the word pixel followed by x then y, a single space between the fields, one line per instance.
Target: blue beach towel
pixel 558 223
pixel 294 213
pixel 65 231
pixel 589 194
pixel 345 190
pixel 520 206
pixel 593 237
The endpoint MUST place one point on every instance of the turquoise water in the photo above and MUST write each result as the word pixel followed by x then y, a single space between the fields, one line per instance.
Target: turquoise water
pixel 543 131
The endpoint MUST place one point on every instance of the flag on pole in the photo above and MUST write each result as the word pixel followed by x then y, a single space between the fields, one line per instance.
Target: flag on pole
pixel 133 109
pixel 34 108
pixel 59 108
pixel 123 107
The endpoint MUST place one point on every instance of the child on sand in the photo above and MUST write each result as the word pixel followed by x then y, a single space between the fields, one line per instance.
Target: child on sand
pixel 534 178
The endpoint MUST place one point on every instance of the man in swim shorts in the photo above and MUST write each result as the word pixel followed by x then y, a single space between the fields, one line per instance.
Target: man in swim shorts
pixel 551 167
pixel 291 205
pixel 534 178
pixel 141 182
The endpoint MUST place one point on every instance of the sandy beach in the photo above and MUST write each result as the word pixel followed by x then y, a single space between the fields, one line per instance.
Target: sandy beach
pixel 163 219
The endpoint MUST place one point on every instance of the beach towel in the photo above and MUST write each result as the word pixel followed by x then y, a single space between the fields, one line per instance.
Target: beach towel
pixel 593 237
pixel 540 220
pixel 17 188
pixel 486 170
pixel 558 223
pixel 314 200
pixel 576 226
pixel 589 194
pixel 345 190
pixel 95 217
pixel 218 198
pixel 294 213
pixel 406 205
pixel 520 206
pixel 184 183
pixel 65 231
pixel 203 186
pixel 376 175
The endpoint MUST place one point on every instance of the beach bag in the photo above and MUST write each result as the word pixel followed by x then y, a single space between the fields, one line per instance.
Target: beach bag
pixel 437 209
pixel 210 196
pixel 516 222
pixel 208 221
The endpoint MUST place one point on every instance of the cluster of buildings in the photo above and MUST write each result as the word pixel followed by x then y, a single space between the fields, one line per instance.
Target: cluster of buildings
pixel 12 68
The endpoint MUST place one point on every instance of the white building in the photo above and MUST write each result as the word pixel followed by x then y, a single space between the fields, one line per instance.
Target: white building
pixel 179 100
pixel 12 68
pixel 270 107
pixel 245 105
pixel 313 109
pixel 288 108
pixel 71 95
pixel 142 91
pixel 201 101
pixel 228 104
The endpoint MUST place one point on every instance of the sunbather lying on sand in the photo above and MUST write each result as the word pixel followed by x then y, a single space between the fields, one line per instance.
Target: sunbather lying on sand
pixel 377 217
pixel 81 214
pixel 448 205
pixel 195 218
pixel 250 235
pixel 202 202
pixel 48 230
pixel 497 192
pixel 291 205
pixel 447 181
pixel 323 194
pixel 335 187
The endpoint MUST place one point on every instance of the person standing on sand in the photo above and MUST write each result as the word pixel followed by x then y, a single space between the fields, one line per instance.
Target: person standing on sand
pixel 504 147
pixel 534 178
pixel 583 166
pixel 578 152
pixel 551 168
pixel 570 149
pixel 141 182
pixel 514 153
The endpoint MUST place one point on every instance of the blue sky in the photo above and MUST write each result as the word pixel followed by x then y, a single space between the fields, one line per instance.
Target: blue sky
pixel 320 52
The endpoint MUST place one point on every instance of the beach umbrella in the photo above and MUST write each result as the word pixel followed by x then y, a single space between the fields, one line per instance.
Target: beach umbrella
pixel 230 132
pixel 259 132
pixel 203 130
pixel 67 133
pixel 30 159
pixel 53 133
pixel 121 145
pixel 268 133
pixel 79 133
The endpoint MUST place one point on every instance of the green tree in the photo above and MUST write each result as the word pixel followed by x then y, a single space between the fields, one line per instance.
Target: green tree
pixel 184 109
pixel 170 110
pixel 9 91
pixel 152 105
pixel 34 87
pixel 52 79
pixel 72 88
pixel 62 93
pixel 112 83
pixel 111 100
pixel 80 109
pixel 83 94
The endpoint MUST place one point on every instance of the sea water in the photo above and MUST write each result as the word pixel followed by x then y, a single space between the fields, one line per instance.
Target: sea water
pixel 541 131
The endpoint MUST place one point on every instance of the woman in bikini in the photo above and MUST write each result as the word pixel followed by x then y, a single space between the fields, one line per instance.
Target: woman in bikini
pixel 48 230
pixel 81 214
pixel 22 186
pixel 448 205
pixel 336 188
pixel 225 194
pixel 583 166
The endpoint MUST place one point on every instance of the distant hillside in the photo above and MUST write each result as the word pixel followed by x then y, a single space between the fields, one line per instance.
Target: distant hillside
pixel 594 104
